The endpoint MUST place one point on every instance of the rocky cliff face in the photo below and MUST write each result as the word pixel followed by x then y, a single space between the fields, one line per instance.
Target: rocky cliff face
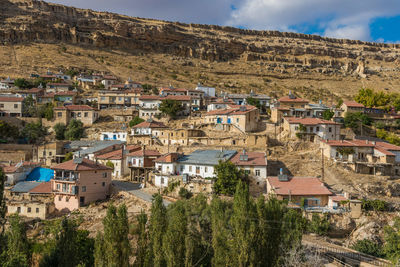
pixel 37 21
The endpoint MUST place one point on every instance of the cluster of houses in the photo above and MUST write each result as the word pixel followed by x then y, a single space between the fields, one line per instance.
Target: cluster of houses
pixel 43 182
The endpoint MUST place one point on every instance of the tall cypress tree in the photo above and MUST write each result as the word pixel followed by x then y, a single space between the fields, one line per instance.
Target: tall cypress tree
pixel 100 259
pixel 18 247
pixel 220 214
pixel 142 240
pixel 243 226
pixel 116 242
pixel 2 211
pixel 174 238
pixel 157 227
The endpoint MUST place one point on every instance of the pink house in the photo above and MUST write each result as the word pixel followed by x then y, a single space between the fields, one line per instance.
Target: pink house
pixel 78 182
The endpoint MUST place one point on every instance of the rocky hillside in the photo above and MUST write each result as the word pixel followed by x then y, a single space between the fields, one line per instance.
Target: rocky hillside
pixel 266 55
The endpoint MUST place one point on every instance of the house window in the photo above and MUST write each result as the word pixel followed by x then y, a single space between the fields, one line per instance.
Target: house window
pixel 104 175
pixel 64 187
pixel 197 170
pixel 237 120
pixel 58 186
pixel 206 169
pixel 182 168
pixel 59 198
pixel 134 161
pixel 59 114
pixel 190 168
pixel 86 114
pixel 37 210
pixel 83 188
pixel 103 184
pixel 311 129
pixel 317 128
pixel 79 114
pixel 258 172
pixel 50 153
pixel 29 209
pixel 330 129
pixel 162 180
pixel 44 153
pixel 15 105
pixel 67 199
pixel 18 209
pixel 1 105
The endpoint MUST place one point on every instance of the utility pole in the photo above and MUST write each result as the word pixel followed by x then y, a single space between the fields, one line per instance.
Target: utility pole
pixel 322 166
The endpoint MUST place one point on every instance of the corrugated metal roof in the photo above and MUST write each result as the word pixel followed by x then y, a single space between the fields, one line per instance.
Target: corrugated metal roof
pixel 24 187
pixel 207 157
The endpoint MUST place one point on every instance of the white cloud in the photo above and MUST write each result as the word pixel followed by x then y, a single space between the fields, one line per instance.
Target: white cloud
pixel 333 18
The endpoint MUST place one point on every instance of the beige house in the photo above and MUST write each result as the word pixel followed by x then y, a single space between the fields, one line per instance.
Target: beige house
pixel 292 101
pixel 31 199
pixel 51 153
pixel 294 189
pixel 79 182
pixel 86 114
pixel 363 156
pixel 311 127
pixel 11 106
pixel 243 117
pixel 352 106
pixel 119 99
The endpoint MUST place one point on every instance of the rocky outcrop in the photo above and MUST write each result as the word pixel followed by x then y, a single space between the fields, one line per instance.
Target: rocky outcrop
pixel 38 21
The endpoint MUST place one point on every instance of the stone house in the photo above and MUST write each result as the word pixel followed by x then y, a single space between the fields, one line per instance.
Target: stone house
pixel 292 101
pixel 11 106
pixel 119 99
pixel 57 87
pixel 86 114
pixel 79 182
pixel 352 106
pixel 51 153
pixel 147 127
pixel 326 130
pixel 245 117
pixel 253 163
pixel 294 189
pixel 141 162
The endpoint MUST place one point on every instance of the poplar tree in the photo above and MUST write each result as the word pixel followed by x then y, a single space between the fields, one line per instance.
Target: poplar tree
pixel 243 226
pixel 157 227
pixel 18 247
pixel 142 240
pixel 174 238
pixel 116 242
pixel 2 211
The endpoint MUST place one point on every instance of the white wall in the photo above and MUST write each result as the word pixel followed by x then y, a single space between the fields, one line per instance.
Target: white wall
pixel 121 136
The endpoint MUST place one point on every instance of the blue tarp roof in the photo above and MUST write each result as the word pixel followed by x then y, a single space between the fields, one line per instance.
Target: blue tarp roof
pixel 40 174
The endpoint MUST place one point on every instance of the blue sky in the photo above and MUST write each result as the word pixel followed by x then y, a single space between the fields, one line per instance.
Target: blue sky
pixel 368 20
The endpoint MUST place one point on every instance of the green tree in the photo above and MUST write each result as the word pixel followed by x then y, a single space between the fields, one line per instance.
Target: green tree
pixel 243 227
pixel 254 102
pixel 391 247
pixel 2 207
pixel 75 130
pixel 69 246
pixel 328 114
pixel 68 156
pixel 227 177
pixel 171 108
pixel 110 164
pixel 29 107
pixel 369 247
pixel 355 120
pixel 33 132
pixel 115 248
pixel 59 130
pixel 142 240
pixel 135 121
pixel 319 225
pixel 18 246
pixel 175 234
pixel 22 83
pixel 8 131
pixel 157 227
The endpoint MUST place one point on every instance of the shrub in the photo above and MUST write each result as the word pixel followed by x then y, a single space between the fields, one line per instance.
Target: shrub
pixel 184 193
pixel 318 225
pixel 369 247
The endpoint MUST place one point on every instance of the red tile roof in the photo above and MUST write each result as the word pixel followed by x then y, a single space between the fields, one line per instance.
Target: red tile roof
pixel 349 143
pixel 338 198
pixel 388 146
pixel 145 153
pixel 33 90
pixel 58 84
pixel 117 154
pixel 86 165
pixel 308 121
pixel 293 100
pixel 43 188
pixel 150 124
pixel 299 186
pixel 168 158
pixel 254 159
pixel 11 99
pixel 384 151
pixel 353 104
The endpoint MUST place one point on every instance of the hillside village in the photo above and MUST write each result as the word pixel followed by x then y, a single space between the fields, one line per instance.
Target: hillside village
pixel 71 140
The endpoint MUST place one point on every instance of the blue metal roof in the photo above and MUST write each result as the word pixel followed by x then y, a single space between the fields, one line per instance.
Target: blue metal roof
pixel 207 157
pixel 24 187
pixel 40 174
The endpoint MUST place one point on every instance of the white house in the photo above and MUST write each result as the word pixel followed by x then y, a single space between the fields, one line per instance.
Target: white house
pixel 326 130
pixel 19 171
pixel 146 127
pixel 148 106
pixel 114 135
pixel 208 91
pixel 253 163
pixel 200 164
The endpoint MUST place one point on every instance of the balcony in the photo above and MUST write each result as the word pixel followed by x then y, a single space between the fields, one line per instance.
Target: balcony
pixel 66 176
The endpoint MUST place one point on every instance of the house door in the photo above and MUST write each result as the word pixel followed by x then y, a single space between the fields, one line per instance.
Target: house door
pixel 229 120
pixel 82 200
pixel 219 120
